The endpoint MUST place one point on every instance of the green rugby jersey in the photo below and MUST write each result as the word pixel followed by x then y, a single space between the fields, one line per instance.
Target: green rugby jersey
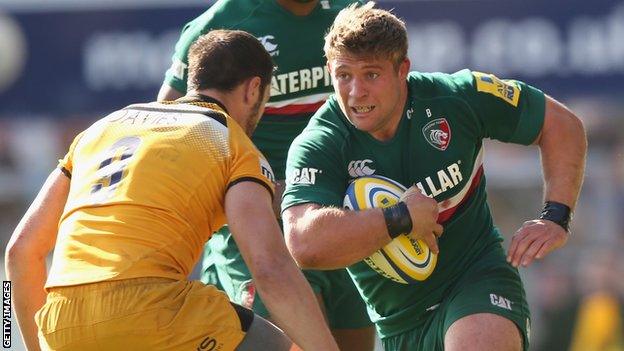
pixel 301 82
pixel 438 146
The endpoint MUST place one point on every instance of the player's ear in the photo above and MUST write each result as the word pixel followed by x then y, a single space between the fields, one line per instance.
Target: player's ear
pixel 404 67
pixel 252 89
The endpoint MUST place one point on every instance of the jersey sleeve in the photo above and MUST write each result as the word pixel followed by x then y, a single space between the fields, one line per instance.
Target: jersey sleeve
pixel 506 110
pixel 247 163
pixel 313 171
pixel 66 164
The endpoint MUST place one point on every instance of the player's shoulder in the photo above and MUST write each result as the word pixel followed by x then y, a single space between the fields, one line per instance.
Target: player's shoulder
pixel 438 84
pixel 330 119
pixel 199 110
pixel 328 126
pixel 338 5
pixel 198 121
pixel 226 14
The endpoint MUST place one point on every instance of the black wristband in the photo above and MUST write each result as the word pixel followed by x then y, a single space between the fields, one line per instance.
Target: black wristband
pixel 558 213
pixel 398 220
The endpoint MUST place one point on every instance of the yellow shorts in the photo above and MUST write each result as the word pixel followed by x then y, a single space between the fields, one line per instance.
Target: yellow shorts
pixel 139 314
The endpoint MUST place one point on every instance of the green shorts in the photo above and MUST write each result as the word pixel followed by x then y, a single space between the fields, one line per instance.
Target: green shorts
pixel 345 307
pixel 490 286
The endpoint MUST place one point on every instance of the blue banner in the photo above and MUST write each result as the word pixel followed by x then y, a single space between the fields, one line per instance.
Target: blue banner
pixel 84 61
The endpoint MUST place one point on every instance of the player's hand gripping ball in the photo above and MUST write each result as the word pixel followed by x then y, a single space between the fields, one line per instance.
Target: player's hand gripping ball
pixel 404 260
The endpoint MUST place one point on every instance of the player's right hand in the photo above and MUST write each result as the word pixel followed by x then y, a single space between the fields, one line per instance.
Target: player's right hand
pixel 424 213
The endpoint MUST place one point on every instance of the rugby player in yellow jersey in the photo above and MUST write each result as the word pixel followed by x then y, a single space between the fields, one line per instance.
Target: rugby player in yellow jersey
pixel 130 208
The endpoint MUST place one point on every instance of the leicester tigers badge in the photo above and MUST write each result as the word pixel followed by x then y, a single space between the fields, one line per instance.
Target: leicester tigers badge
pixel 438 133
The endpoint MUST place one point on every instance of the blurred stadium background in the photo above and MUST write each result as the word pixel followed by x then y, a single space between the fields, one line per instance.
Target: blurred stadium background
pixel 65 63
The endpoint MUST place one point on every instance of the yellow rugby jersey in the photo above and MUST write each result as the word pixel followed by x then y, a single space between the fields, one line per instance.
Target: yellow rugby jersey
pixel 148 185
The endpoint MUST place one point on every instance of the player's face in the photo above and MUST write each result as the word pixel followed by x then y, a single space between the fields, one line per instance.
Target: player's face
pixel 256 111
pixel 371 92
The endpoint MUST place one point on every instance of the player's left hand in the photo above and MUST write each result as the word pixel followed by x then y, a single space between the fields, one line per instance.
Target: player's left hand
pixel 535 239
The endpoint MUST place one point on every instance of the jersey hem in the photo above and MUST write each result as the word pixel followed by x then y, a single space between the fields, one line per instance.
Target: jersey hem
pixel 251 179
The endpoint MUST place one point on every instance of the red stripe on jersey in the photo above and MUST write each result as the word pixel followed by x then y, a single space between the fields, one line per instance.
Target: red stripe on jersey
pixel 293 109
pixel 449 212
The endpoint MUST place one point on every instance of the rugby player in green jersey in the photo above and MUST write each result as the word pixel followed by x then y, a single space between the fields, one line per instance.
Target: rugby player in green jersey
pixel 292 32
pixel 426 131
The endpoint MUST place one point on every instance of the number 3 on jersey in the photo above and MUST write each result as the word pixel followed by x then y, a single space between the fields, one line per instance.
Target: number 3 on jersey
pixel 113 168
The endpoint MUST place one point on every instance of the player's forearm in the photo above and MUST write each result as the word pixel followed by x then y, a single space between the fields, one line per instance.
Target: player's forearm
pixel 30 243
pixel 563 147
pixel 292 304
pixel 331 238
pixel 28 277
pixel 281 285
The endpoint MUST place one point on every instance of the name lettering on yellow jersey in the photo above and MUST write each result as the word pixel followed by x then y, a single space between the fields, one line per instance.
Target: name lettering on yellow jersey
pixel 143 117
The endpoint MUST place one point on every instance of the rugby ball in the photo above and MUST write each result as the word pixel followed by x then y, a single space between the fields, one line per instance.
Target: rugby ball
pixel 404 260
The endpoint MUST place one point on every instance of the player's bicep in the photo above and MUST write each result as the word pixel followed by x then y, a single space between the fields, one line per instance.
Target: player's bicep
pixel 556 116
pixel 294 214
pixel 36 232
pixel 313 172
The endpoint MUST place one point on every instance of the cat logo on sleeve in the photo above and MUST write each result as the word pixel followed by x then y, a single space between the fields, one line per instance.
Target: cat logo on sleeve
pixel 504 89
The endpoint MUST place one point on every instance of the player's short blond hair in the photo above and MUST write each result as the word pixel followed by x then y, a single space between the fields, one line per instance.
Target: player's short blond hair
pixel 365 31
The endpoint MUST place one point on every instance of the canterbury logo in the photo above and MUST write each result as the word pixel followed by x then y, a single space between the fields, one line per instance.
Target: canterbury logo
pixel 360 168
pixel 268 45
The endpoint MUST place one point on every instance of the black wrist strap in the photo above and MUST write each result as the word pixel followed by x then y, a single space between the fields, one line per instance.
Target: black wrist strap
pixel 558 213
pixel 398 220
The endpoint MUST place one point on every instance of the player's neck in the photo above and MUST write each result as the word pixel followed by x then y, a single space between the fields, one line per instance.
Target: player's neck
pixel 232 100
pixel 298 8
pixel 195 96
pixel 224 99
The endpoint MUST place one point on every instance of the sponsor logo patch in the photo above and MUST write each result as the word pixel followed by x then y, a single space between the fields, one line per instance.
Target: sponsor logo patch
pixel 266 169
pixel 504 89
pixel 500 301
pixel 438 133
pixel 209 344
pixel 360 168
pixel 305 175
pixel 269 46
